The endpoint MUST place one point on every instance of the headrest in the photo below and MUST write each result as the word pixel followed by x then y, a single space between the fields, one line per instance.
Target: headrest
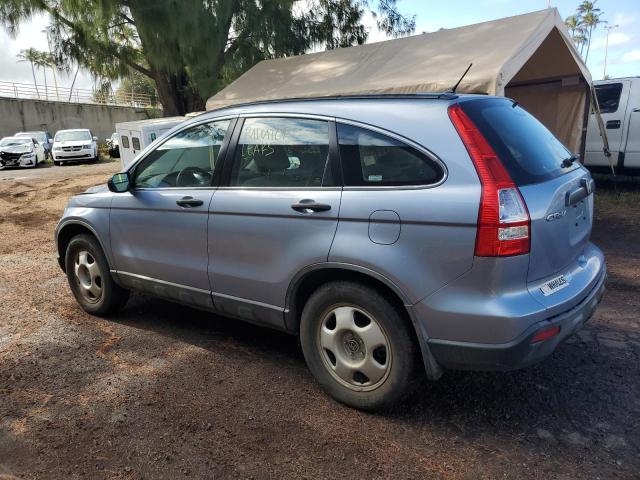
pixel 271 159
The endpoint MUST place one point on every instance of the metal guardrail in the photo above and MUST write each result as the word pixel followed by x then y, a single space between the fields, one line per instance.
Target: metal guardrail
pixel 76 95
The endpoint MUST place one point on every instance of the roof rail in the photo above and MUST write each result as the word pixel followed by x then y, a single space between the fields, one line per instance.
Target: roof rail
pixel 362 96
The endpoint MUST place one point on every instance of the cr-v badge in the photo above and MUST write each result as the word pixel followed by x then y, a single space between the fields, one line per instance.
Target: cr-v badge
pixel 556 215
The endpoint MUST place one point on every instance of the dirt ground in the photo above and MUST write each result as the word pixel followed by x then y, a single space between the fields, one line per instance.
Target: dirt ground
pixel 163 391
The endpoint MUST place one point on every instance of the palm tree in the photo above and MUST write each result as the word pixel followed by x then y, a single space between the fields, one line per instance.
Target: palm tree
pixel 30 55
pixel 589 15
pixel 42 61
pixel 50 61
pixel 576 30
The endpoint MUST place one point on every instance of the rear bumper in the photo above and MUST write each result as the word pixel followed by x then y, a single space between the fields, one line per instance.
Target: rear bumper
pixel 519 352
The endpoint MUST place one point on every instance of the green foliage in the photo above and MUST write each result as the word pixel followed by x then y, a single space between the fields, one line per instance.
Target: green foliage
pixel 582 24
pixel 136 82
pixel 192 48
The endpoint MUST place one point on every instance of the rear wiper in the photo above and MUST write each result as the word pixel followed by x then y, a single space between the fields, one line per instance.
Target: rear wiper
pixel 567 162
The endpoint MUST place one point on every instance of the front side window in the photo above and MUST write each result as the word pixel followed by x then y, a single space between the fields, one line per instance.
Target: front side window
pixel 187 159
pixel 371 159
pixel 281 152
pixel 608 97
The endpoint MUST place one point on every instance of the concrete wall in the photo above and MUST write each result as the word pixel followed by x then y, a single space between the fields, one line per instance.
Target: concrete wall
pixel 19 115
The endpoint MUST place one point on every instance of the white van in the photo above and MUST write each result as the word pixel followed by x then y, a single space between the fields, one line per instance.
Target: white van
pixel 619 101
pixel 137 135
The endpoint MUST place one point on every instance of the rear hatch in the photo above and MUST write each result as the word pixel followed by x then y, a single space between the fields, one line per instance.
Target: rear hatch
pixel 557 192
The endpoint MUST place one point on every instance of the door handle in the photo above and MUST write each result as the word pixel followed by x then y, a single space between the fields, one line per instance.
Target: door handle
pixel 613 124
pixel 310 206
pixel 189 202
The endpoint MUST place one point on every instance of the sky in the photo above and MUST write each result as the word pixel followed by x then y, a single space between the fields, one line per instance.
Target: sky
pixel 624 41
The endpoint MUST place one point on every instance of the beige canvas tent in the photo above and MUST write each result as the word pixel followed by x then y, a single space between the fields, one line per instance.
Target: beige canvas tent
pixel 527 57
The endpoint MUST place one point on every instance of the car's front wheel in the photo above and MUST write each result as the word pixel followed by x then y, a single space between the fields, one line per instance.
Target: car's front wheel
pixel 359 346
pixel 89 277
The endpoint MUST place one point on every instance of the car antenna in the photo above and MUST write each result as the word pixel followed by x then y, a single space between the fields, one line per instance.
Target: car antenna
pixel 454 88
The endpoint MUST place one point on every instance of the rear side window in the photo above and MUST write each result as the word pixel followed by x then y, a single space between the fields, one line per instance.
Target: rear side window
pixel 371 159
pixel 125 141
pixel 608 97
pixel 529 152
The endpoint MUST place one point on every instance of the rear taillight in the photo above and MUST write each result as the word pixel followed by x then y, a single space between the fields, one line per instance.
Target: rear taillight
pixel 504 226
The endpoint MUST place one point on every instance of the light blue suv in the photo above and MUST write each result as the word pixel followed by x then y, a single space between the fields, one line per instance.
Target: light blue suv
pixel 395 234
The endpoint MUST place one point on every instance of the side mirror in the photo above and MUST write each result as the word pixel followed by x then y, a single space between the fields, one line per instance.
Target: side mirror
pixel 119 183
pixel 95 139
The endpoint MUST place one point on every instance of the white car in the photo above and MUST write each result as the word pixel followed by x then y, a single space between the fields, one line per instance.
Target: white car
pixel 74 146
pixel 20 152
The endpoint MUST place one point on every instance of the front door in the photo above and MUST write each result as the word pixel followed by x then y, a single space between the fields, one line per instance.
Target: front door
pixel 159 228
pixel 277 214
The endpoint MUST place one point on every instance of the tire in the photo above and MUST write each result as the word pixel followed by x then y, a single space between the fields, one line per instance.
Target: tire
pixel 347 326
pixel 56 163
pixel 89 277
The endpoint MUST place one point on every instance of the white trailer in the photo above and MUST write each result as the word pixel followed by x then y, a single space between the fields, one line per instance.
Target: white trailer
pixel 136 136
pixel 619 101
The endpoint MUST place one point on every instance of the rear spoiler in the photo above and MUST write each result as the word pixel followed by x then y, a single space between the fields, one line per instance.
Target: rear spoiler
pixel 595 108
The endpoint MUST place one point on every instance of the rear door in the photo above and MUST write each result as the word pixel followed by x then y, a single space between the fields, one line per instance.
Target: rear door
pixel 276 215
pixel 559 198
pixel 613 98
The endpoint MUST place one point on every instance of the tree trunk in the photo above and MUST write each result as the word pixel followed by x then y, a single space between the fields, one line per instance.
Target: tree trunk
pixel 46 89
pixel 588 45
pixel 175 94
pixel 35 83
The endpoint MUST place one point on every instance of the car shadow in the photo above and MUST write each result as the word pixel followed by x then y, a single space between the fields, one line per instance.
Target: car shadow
pixel 577 389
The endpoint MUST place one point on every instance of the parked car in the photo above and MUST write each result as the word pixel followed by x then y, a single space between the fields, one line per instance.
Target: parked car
pixel 413 233
pixel 44 138
pixel 20 152
pixel 74 145
pixel 619 101
pixel 113 145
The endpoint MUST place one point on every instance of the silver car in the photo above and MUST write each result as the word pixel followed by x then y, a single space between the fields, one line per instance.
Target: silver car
pixel 398 236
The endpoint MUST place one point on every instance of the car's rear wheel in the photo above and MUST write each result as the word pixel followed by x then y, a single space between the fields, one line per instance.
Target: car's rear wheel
pixel 359 346
pixel 89 277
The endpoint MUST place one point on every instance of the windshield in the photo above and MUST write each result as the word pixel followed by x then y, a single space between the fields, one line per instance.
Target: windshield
pixel 529 152
pixel 39 136
pixel 11 142
pixel 72 136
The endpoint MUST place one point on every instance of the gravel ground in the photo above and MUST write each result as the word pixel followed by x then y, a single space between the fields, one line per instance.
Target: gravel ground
pixel 163 391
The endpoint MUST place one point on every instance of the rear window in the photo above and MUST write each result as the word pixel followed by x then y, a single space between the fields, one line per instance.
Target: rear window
pixel 529 152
